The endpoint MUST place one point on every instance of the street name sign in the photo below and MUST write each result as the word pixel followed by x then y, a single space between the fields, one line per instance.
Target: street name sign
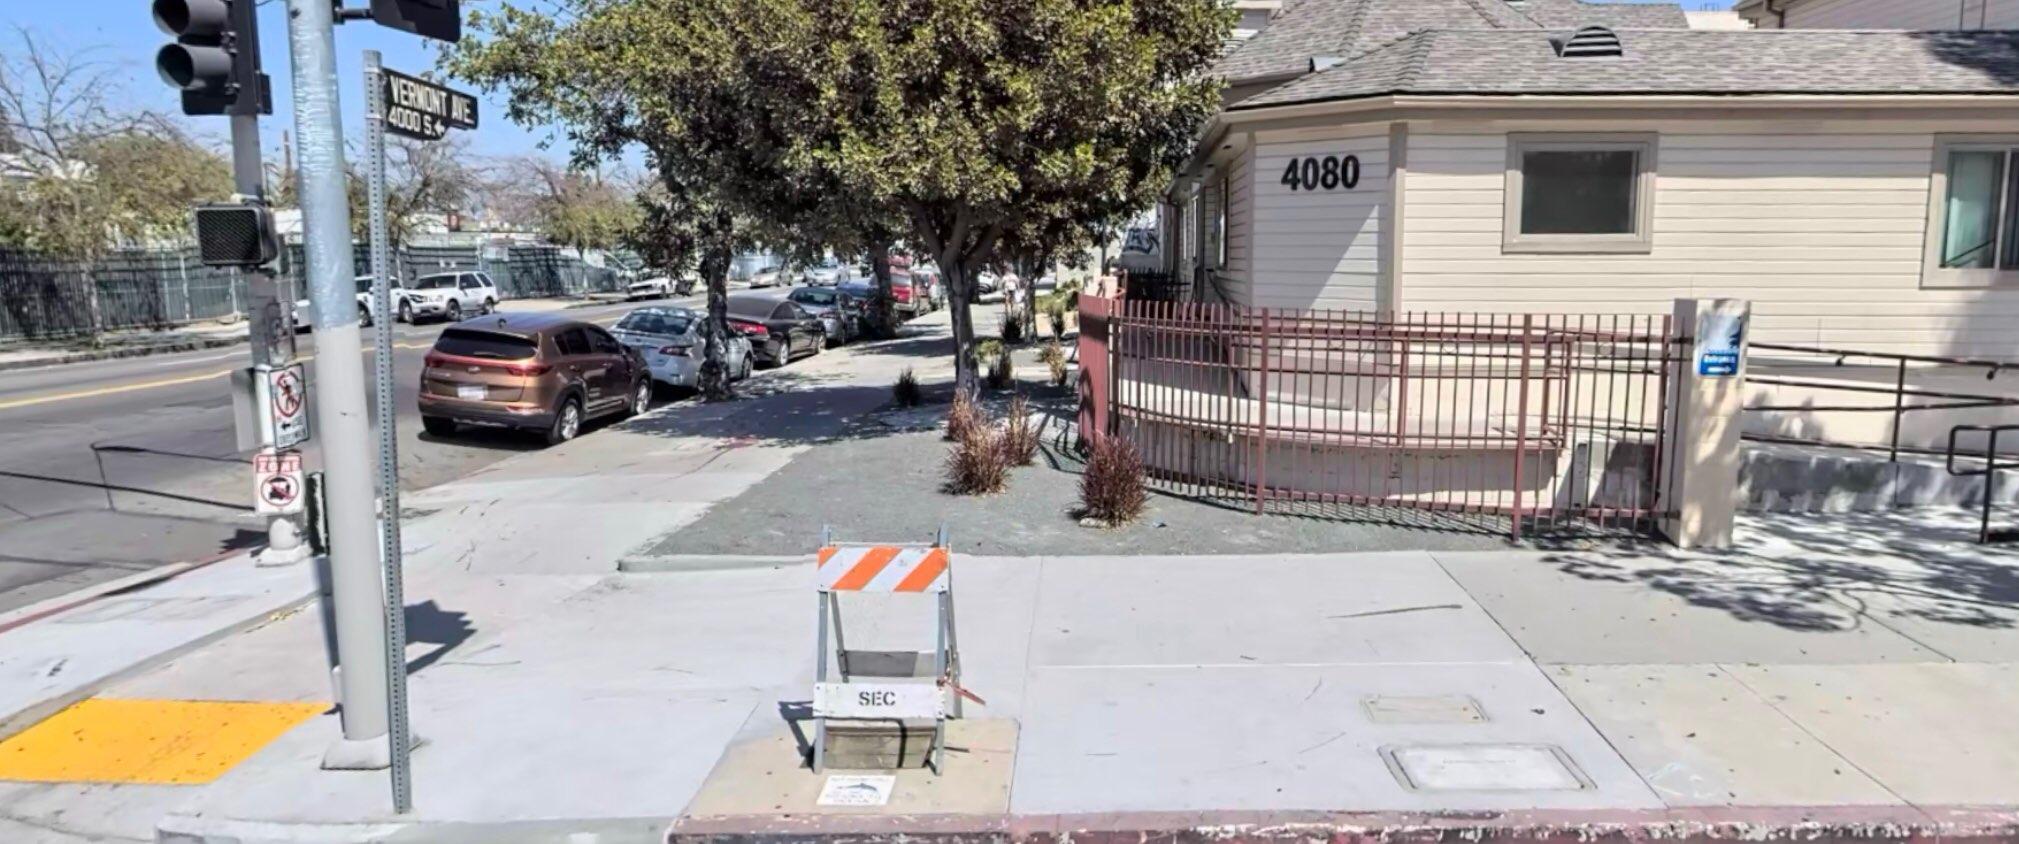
pixel 423 110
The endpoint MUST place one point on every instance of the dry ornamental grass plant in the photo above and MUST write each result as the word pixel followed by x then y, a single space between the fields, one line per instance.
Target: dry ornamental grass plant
pixel 978 463
pixel 963 416
pixel 1054 357
pixel 1001 372
pixel 1019 434
pixel 906 391
pixel 1113 491
pixel 1012 330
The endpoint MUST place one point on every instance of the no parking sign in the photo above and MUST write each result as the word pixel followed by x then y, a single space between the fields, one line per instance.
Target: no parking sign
pixel 278 485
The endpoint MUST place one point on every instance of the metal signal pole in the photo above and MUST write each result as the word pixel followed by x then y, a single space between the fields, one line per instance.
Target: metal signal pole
pixel 341 409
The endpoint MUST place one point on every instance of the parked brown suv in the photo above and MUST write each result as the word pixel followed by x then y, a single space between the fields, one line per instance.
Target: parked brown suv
pixel 534 371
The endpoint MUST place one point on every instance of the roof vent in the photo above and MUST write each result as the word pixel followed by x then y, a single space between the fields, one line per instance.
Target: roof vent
pixel 1321 63
pixel 1591 42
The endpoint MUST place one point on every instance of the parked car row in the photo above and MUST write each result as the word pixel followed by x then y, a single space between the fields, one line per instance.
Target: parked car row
pixel 445 296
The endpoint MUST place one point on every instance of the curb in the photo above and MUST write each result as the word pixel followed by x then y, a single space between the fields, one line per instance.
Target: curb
pixel 1832 823
pixel 671 563
pixel 114 354
pixel 39 711
pixel 196 829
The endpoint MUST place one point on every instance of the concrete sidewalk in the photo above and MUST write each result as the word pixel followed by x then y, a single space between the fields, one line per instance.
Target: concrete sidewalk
pixel 1837 677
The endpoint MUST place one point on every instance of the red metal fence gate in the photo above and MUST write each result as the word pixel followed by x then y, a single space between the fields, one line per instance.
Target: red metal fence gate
pixel 1547 421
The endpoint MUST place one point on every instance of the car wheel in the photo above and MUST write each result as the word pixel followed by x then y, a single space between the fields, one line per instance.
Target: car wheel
pixel 747 367
pixel 406 313
pixel 490 306
pixel 641 399
pixel 364 316
pixel 567 422
pixel 454 312
pixel 438 426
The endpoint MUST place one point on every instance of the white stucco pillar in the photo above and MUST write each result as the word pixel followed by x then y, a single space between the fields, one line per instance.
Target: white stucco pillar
pixel 1706 403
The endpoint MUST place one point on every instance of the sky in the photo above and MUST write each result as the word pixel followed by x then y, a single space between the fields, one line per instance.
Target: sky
pixel 122 33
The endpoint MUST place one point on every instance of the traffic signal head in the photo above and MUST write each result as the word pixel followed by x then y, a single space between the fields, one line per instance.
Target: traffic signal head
pixel 235 235
pixel 215 58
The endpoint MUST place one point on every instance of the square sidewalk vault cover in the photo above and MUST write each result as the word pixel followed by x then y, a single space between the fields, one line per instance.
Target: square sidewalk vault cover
pixel 161 742
pixel 1484 767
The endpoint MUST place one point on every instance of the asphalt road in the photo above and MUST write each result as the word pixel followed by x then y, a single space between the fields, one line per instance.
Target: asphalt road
pixel 112 467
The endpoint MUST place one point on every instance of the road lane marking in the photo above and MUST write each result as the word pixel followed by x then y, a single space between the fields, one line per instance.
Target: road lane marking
pixel 154 385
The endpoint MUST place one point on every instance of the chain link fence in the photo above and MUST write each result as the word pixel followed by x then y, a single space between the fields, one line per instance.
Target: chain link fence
pixel 43 297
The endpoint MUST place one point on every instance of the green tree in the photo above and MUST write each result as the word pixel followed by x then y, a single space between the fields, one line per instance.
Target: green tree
pixel 959 120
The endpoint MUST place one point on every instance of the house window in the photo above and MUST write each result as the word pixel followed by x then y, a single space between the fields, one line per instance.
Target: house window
pixel 1220 228
pixel 1973 237
pixel 1580 193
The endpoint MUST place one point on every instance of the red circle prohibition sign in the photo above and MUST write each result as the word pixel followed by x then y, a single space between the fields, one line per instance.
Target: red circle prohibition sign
pixel 287 394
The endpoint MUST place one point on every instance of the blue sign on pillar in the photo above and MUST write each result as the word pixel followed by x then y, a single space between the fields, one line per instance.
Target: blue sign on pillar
pixel 1720 345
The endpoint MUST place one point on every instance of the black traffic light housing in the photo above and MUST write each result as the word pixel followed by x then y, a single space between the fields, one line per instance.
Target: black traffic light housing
pixel 441 20
pixel 215 58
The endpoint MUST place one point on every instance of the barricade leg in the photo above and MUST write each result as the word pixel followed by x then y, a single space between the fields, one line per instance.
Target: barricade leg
pixel 820 676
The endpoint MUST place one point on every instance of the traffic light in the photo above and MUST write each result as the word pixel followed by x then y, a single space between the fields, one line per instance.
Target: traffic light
pixel 215 58
pixel 437 19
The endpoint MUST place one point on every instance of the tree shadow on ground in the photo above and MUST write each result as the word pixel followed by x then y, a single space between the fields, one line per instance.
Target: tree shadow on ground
pixel 1825 573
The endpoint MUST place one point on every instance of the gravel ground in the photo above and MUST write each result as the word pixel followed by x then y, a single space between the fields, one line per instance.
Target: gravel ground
pixel 883 483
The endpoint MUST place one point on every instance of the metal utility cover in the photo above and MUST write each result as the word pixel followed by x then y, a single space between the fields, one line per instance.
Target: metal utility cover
pixel 1484 767
pixel 1434 709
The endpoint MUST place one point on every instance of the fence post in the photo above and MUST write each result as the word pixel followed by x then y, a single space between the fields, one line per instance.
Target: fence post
pixel 1521 421
pixel 1705 426
pixel 1262 422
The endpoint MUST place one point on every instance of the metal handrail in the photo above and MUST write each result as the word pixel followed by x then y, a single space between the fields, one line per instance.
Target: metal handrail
pixel 1898 390
pixel 1989 473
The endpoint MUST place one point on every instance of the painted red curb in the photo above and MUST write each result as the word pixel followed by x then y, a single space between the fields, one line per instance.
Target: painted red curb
pixel 1805 824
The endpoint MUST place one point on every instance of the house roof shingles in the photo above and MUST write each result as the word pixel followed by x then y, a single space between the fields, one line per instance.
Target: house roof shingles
pixel 1348 28
pixel 1662 61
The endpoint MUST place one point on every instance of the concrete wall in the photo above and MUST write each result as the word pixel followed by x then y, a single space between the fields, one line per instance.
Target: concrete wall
pixel 1821 226
pixel 1319 249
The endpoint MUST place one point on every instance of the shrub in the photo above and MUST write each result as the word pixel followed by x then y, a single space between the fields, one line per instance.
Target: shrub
pixel 1113 490
pixel 1058 320
pixel 963 416
pixel 1054 356
pixel 906 391
pixel 1019 436
pixel 1012 329
pixel 1001 372
pixel 978 464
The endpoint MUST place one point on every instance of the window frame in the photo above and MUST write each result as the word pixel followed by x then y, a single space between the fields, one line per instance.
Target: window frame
pixel 1933 274
pixel 1640 241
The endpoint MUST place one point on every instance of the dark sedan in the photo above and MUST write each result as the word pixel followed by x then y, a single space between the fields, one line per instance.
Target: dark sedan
pixel 779 329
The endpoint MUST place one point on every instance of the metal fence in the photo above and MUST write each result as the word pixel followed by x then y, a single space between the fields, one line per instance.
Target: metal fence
pixel 1499 422
pixel 50 298
pixel 46 297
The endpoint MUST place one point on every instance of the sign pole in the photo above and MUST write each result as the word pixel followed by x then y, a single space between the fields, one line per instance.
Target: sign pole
pixel 389 458
pixel 357 591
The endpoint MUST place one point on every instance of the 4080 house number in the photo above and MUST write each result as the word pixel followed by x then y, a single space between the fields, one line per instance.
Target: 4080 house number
pixel 1331 172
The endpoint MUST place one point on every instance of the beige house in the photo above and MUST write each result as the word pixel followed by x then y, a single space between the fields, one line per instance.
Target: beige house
pixel 1881 14
pixel 1557 156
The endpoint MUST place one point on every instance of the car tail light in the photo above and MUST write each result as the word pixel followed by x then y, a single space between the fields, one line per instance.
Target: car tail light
pixel 901 294
pixel 434 360
pixel 528 368
pixel 677 351
pixel 752 328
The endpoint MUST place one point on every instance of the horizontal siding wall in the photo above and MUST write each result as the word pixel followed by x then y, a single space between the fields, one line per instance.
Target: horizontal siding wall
pixel 1319 249
pixel 1823 232
pixel 1903 14
pixel 1240 228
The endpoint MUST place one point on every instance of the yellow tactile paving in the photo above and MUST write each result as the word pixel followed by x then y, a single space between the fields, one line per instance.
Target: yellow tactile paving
pixel 167 742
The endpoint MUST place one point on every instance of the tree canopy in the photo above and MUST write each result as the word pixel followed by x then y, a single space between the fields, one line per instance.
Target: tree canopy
pixel 960 122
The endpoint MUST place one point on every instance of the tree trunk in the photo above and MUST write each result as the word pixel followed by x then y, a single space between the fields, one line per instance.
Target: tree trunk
pixel 716 257
pixel 881 312
pixel 959 281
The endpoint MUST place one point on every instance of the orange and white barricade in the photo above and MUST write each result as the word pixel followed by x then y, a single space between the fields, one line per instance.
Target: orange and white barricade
pixel 899 686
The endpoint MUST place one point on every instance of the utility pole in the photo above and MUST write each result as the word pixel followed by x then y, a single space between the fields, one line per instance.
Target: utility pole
pixel 341 408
